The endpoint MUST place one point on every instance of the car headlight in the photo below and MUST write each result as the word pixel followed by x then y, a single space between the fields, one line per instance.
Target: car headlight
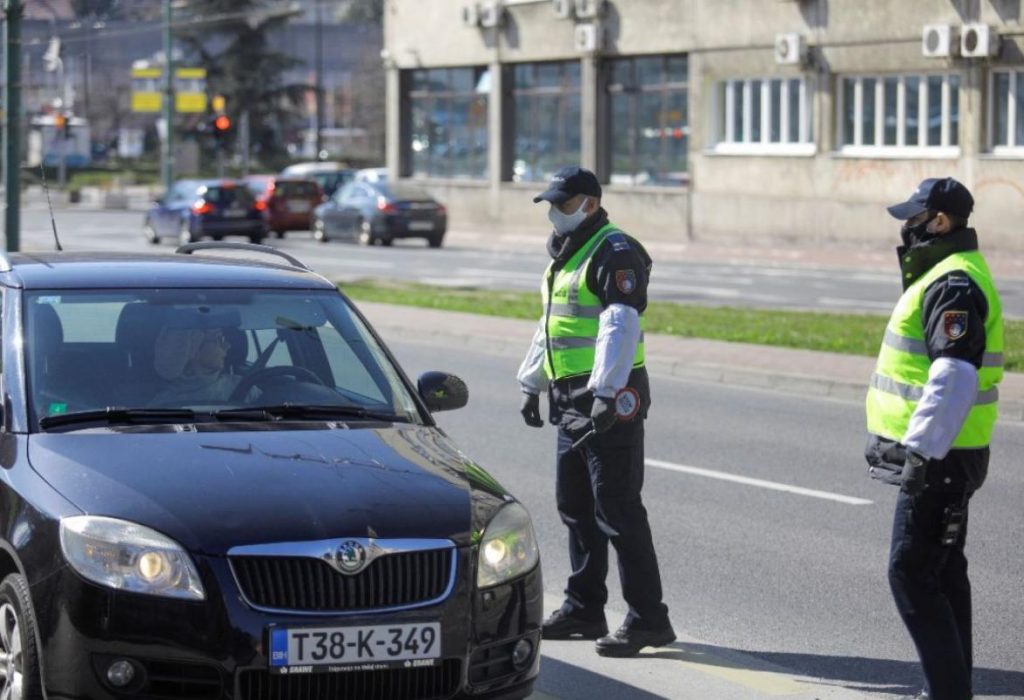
pixel 129 557
pixel 508 547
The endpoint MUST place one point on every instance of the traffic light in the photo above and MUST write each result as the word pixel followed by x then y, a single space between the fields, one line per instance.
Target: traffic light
pixel 221 128
pixel 60 125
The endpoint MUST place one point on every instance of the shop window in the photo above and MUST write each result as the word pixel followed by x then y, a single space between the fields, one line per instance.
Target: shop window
pixel 545 124
pixel 650 133
pixel 447 134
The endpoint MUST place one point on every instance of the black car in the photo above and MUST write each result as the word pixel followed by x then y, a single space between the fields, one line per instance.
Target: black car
pixel 217 483
pixel 194 209
pixel 376 213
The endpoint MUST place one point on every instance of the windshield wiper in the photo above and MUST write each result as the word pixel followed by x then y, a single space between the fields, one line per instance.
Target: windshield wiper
pixel 113 414
pixel 294 411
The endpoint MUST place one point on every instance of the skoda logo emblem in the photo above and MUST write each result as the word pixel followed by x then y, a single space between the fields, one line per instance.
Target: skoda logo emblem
pixel 350 557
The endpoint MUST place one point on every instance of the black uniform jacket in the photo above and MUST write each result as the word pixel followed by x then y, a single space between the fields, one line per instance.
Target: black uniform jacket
pixel 618 274
pixel 953 314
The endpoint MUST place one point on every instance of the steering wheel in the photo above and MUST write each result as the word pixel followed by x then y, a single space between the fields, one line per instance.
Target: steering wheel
pixel 267 373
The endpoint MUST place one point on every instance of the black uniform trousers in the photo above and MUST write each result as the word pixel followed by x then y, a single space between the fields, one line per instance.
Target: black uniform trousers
pixel 598 496
pixel 932 592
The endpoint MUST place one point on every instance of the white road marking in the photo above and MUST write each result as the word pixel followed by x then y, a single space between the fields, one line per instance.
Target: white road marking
pixel 748 481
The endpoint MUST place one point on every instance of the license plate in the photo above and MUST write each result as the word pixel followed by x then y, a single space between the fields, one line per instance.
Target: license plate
pixel 298 207
pixel 234 213
pixel 421 225
pixel 319 649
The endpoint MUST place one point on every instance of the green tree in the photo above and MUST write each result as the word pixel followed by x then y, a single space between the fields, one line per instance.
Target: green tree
pixel 230 38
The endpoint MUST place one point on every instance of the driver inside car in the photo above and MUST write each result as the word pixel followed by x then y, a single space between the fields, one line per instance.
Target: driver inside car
pixel 192 361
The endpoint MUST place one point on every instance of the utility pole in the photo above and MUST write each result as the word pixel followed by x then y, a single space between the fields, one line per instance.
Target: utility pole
pixel 13 10
pixel 319 48
pixel 167 150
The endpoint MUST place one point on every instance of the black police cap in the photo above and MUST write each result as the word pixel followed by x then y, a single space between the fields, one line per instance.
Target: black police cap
pixel 936 194
pixel 569 182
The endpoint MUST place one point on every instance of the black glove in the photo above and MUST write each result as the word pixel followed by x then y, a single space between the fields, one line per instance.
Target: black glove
pixel 886 473
pixel 603 414
pixel 531 410
pixel 915 471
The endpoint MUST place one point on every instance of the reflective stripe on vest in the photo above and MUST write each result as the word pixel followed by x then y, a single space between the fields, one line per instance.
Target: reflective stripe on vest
pixel 903 362
pixel 572 314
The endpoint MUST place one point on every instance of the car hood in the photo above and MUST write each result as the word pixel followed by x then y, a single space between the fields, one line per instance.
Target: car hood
pixel 211 491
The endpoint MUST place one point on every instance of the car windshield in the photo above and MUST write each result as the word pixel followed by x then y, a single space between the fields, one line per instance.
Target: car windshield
pixel 206 351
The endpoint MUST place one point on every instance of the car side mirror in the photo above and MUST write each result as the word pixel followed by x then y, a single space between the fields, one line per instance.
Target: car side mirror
pixel 442 391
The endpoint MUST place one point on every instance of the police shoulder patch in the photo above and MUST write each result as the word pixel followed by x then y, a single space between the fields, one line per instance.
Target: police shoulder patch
pixel 958 281
pixel 625 281
pixel 954 324
pixel 619 242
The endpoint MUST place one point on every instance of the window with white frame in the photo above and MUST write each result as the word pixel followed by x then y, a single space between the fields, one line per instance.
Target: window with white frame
pixel 764 116
pixel 913 115
pixel 1006 112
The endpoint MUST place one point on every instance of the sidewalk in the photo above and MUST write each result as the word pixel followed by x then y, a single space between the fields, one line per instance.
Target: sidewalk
pixel 806 372
pixel 768 252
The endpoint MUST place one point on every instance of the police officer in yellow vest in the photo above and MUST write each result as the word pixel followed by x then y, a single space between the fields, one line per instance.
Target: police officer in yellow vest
pixel 931 409
pixel 588 352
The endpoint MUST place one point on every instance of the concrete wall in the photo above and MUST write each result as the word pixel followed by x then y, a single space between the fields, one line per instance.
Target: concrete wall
pixel 822 196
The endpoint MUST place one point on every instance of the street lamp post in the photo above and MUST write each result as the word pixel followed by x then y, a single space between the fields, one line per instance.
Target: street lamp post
pixel 166 151
pixel 13 10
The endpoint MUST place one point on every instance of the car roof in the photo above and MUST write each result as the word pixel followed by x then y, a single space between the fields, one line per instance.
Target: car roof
pixel 95 270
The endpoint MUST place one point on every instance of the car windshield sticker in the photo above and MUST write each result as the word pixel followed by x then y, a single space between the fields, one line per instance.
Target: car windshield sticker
pixel 954 323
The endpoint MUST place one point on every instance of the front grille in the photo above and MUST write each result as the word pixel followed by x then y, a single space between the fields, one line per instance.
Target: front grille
pixel 301 583
pixel 430 683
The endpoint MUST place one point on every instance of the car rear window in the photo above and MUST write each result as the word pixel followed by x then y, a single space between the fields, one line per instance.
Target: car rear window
pixel 296 189
pixel 227 196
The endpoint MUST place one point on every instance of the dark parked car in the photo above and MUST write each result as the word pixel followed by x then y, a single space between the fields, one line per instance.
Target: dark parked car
pixel 289 201
pixel 196 209
pixel 217 483
pixel 376 213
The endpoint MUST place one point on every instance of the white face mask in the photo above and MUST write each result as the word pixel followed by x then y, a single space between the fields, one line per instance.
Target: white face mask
pixel 565 223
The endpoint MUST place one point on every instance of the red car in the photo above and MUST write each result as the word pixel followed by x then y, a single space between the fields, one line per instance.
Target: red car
pixel 289 201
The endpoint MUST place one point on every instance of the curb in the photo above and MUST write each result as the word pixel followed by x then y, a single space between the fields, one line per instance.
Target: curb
pixel 1010 411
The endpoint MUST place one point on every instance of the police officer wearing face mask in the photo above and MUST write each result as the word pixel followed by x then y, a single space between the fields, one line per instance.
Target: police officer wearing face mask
pixel 931 409
pixel 588 351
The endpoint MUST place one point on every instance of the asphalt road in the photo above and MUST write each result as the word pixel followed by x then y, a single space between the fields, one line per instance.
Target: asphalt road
pixel 753 574
pixel 721 284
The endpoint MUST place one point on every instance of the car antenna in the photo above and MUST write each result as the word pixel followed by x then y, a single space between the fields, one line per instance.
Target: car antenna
pixel 49 204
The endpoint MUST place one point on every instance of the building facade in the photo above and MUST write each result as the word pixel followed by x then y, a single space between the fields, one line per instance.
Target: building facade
pixel 711 120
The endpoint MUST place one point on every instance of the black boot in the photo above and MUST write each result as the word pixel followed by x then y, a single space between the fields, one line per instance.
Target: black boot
pixel 629 641
pixel 563 625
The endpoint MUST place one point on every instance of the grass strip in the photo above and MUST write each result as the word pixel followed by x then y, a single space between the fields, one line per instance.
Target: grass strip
pixel 850 334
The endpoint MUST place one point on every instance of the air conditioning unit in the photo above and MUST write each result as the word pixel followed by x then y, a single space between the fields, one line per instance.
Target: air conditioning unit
pixel 937 41
pixel 978 41
pixel 586 38
pixel 589 9
pixel 471 15
pixel 790 49
pixel 492 13
pixel 564 9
